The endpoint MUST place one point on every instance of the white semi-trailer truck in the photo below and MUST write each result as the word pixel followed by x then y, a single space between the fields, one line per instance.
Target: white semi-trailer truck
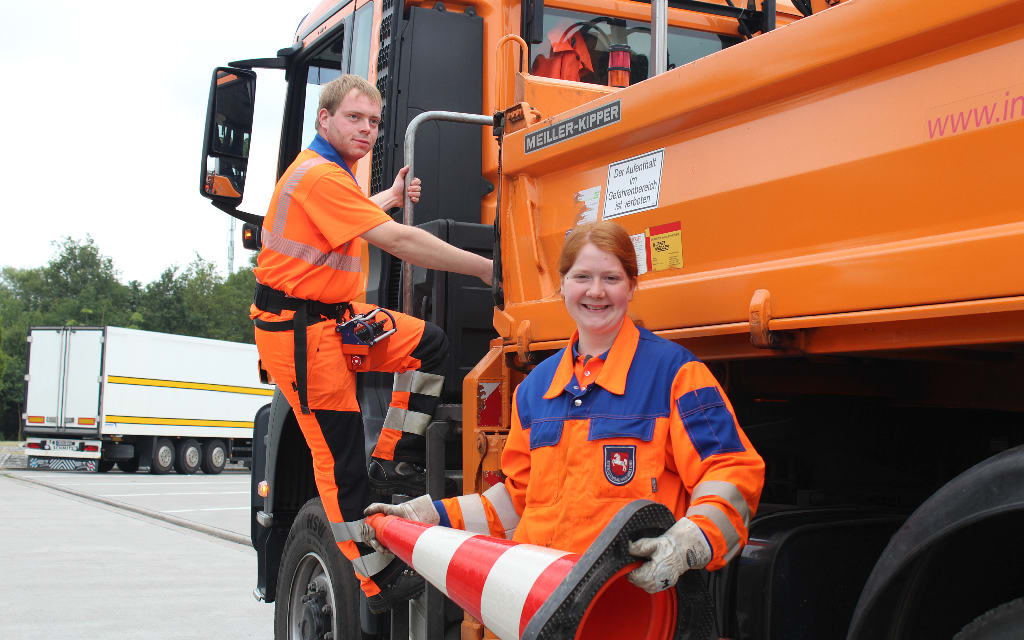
pixel 100 396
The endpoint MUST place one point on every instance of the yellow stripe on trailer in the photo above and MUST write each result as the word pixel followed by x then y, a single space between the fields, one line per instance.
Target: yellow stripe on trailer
pixel 185 422
pixel 177 384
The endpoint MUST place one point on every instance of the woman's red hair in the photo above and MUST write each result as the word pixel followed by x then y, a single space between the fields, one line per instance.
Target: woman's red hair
pixel 606 236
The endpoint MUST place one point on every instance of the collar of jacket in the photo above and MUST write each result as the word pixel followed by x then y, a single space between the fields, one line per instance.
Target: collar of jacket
pixel 616 365
pixel 324 148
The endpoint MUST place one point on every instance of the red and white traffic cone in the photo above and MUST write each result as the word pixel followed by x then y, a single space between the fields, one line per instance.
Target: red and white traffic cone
pixel 522 591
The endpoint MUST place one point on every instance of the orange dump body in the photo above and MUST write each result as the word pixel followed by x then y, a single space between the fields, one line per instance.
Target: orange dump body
pixel 855 167
pixel 843 184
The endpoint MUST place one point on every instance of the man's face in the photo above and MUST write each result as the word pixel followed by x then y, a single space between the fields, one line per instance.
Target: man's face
pixel 352 129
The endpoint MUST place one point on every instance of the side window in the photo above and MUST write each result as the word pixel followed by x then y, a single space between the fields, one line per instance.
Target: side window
pixel 577 46
pixel 324 66
pixel 361 39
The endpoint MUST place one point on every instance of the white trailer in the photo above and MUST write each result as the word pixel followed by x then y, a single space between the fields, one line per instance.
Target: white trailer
pixel 100 396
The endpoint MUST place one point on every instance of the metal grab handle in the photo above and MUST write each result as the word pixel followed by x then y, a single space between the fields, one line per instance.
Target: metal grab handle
pixel 410 154
pixel 659 37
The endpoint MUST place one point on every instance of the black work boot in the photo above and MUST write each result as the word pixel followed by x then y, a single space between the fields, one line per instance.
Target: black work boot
pixel 398 583
pixel 388 477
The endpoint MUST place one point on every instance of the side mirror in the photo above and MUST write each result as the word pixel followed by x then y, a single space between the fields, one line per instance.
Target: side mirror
pixel 228 132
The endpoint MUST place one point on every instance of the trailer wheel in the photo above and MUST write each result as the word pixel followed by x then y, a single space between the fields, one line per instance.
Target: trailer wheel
pixel 318 593
pixel 215 455
pixel 187 456
pixel 163 457
pixel 1002 623
pixel 129 465
pixel 104 466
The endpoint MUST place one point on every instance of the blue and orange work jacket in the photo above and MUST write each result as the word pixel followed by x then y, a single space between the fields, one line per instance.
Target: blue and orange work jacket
pixel 653 424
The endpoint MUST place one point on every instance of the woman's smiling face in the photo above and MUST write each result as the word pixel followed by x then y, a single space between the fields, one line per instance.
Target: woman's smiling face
pixel 597 292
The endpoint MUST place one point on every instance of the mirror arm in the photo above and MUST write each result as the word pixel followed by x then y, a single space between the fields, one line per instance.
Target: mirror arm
pixel 251 218
pixel 260 63
pixel 280 62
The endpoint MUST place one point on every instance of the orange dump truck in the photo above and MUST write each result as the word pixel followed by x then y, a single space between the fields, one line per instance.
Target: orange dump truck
pixel 826 209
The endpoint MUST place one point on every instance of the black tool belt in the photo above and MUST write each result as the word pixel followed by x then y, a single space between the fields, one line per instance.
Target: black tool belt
pixel 307 312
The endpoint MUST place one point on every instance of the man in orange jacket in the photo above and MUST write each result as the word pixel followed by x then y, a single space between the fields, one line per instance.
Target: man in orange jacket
pixel 309 279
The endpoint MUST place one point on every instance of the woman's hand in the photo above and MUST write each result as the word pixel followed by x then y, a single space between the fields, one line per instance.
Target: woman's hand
pixel 673 553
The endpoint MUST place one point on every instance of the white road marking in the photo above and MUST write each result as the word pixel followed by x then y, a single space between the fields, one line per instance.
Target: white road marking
pixel 206 509
pixel 188 493
pixel 144 484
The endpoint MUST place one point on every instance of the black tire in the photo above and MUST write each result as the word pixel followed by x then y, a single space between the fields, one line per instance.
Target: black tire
pixel 187 456
pixel 104 466
pixel 1005 622
pixel 163 457
pixel 215 456
pixel 312 564
pixel 128 465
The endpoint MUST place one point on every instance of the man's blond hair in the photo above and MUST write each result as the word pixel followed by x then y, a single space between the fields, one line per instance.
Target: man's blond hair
pixel 335 91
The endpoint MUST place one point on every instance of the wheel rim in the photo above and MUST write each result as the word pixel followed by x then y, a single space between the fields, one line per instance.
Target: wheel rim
pixel 192 457
pixel 217 457
pixel 311 601
pixel 165 456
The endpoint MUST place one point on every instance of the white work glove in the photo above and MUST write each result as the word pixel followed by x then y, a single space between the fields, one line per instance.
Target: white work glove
pixel 681 548
pixel 419 509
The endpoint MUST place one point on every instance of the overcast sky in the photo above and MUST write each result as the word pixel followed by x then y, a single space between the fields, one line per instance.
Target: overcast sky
pixel 101 124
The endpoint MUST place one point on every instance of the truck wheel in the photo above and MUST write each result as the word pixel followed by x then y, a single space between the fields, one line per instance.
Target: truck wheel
pixel 1002 623
pixel 215 454
pixel 187 456
pixel 163 457
pixel 317 590
pixel 129 465
pixel 104 466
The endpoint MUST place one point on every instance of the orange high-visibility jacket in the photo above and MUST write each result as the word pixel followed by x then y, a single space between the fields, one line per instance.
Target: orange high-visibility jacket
pixel 311 235
pixel 654 424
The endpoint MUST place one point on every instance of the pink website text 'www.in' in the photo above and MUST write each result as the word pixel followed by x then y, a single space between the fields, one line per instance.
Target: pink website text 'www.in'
pixel 976 117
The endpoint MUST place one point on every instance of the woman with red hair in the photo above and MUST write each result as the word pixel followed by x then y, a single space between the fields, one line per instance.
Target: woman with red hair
pixel 617 415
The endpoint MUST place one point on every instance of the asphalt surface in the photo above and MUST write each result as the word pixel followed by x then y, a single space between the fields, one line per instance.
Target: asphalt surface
pixel 115 555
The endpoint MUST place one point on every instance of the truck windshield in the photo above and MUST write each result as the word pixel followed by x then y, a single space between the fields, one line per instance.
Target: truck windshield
pixel 576 46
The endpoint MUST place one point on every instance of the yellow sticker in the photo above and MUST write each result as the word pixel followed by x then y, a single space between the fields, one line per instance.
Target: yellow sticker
pixel 664 247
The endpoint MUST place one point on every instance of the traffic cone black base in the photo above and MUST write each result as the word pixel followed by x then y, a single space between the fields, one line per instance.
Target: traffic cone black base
pixel 596 601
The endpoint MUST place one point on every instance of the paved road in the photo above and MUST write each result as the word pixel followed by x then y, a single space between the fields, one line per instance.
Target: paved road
pixel 77 568
pixel 220 501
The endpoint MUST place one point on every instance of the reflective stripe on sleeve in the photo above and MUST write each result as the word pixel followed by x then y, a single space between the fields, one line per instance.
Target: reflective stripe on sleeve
pixel 473 515
pixel 502 503
pixel 728 492
pixel 713 513
pixel 372 563
pixel 345 531
pixel 310 254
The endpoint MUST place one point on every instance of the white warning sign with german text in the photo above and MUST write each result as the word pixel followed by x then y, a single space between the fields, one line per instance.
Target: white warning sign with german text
pixel 633 185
